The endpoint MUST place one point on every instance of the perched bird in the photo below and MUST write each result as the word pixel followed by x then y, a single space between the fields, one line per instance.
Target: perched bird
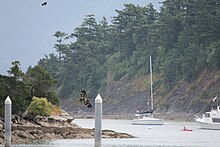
pixel 44 4
pixel 83 98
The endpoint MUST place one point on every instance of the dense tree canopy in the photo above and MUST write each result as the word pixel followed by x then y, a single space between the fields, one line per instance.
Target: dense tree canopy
pixel 183 38
pixel 22 87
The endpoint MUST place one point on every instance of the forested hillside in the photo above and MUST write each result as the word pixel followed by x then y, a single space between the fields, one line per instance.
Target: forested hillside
pixel 112 59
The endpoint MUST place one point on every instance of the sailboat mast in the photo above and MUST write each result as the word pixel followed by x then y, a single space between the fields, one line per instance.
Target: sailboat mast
pixel 151 86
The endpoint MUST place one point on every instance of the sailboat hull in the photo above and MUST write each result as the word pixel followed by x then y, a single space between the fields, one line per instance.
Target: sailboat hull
pixel 147 121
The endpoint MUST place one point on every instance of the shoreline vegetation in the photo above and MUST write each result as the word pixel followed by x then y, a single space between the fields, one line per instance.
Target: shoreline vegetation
pixel 33 129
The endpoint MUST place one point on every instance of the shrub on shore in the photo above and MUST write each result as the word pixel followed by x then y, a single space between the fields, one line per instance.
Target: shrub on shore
pixel 41 106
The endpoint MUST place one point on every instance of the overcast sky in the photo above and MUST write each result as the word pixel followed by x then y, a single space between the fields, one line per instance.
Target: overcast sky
pixel 27 28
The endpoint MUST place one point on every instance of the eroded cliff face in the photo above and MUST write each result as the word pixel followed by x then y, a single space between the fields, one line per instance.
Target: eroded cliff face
pixel 196 97
pixel 128 96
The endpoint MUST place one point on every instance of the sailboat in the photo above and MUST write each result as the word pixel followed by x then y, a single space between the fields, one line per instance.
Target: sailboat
pixel 147 118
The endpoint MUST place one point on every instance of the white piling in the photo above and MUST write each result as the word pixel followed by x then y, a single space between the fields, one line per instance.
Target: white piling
pixel 98 121
pixel 8 104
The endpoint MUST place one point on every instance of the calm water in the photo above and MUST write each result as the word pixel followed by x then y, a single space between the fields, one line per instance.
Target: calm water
pixel 168 135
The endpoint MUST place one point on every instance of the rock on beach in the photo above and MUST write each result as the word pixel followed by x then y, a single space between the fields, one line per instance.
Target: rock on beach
pixel 29 129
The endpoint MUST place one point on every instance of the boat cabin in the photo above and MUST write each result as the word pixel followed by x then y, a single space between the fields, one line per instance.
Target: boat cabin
pixel 214 114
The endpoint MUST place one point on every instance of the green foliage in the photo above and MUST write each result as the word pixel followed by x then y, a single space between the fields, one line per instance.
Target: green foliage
pixel 183 40
pixel 41 84
pixel 40 106
pixel 213 55
pixel 21 87
pixel 17 91
pixel 14 87
pixel 15 70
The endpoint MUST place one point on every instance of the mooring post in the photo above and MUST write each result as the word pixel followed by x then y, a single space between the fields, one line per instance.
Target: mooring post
pixel 8 122
pixel 98 121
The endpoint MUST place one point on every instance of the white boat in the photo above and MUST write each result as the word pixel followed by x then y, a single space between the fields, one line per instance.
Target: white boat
pixel 147 118
pixel 211 119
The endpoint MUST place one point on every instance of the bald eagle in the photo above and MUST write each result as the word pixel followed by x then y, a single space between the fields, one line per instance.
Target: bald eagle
pixel 84 99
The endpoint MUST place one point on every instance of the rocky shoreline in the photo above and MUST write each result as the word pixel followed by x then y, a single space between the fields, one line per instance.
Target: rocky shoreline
pixel 28 129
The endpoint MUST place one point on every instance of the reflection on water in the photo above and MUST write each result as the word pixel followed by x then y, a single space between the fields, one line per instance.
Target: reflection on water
pixel 166 135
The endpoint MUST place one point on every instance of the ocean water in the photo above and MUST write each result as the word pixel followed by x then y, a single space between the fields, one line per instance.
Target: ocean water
pixel 168 135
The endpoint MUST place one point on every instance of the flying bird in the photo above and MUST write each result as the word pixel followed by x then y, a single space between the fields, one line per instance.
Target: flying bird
pixel 44 4
pixel 83 98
